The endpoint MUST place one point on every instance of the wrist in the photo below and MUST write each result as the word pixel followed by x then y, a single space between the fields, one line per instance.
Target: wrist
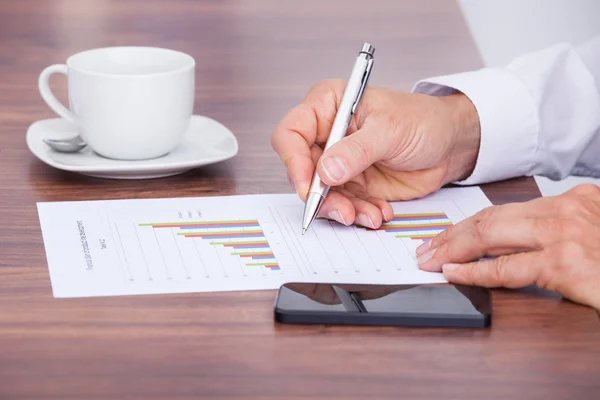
pixel 466 133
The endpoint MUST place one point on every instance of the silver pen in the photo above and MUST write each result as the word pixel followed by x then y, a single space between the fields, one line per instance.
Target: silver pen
pixel 351 99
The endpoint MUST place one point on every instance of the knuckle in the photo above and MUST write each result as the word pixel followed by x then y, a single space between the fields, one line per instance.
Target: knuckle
pixel 325 88
pixel 291 124
pixel 468 274
pixel 286 159
pixel 440 238
pixel 545 279
pixel 330 83
pixel 483 224
pixel 360 151
pixel 487 213
pixel 320 86
pixel 586 189
pixel 562 257
pixel 276 138
pixel 443 253
pixel 498 271
pixel 570 205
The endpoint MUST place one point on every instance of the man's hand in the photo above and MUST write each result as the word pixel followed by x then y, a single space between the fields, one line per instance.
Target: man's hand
pixel 553 242
pixel 399 146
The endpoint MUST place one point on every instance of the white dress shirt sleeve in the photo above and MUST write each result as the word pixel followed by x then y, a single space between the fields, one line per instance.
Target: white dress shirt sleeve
pixel 540 115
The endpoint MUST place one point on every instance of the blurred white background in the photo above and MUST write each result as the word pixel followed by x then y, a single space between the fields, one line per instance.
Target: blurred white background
pixel 504 29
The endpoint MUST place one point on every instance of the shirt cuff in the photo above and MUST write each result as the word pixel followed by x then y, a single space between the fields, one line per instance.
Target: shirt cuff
pixel 507 116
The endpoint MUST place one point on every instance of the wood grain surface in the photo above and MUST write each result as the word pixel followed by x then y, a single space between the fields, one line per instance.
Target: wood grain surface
pixel 256 59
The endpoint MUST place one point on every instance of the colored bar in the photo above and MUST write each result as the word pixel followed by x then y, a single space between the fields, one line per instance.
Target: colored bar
pixel 419 229
pixel 417 237
pixel 211 226
pixel 415 227
pixel 246 254
pixel 272 266
pixel 224 235
pixel 401 217
pixel 227 235
pixel 240 243
pixel 243 244
pixel 420 219
pixel 261 257
pixel 260 246
pixel 395 226
pixel 221 232
pixel 261 264
pixel 204 224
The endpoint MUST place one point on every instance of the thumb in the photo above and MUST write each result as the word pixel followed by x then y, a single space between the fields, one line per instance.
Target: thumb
pixel 350 156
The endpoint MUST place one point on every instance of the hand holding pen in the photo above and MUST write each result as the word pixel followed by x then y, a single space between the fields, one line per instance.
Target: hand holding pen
pixel 350 101
pixel 398 146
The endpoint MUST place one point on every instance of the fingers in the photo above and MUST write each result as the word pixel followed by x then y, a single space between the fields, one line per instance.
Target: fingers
pixel 484 223
pixel 349 204
pixel 366 213
pixel 302 127
pixel 338 207
pixel 357 188
pixel 512 271
pixel 351 156
pixel 292 140
pixel 346 208
pixel 386 209
pixel 495 236
pixel 487 217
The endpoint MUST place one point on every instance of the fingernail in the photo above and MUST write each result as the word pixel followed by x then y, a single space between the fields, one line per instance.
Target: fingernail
pixel 336 216
pixel 450 267
pixel 334 168
pixel 423 258
pixel 365 220
pixel 386 218
pixel 423 248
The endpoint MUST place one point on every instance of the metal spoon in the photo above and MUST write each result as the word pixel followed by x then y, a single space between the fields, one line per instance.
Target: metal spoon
pixel 70 145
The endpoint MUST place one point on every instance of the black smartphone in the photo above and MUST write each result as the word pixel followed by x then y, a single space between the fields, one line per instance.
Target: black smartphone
pixel 435 305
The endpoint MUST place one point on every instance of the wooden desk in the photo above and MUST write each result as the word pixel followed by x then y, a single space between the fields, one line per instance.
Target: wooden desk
pixel 256 59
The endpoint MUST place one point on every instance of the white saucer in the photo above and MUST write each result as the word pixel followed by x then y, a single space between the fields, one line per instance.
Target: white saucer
pixel 205 142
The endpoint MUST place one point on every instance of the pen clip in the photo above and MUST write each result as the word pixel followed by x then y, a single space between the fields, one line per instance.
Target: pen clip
pixel 363 84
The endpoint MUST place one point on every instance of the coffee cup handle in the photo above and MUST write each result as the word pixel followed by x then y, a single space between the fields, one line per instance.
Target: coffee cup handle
pixel 48 96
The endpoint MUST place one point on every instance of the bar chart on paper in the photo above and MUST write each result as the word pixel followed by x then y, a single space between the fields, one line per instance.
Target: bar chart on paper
pixel 389 250
pixel 243 239
pixel 214 249
pixel 413 229
pixel 230 243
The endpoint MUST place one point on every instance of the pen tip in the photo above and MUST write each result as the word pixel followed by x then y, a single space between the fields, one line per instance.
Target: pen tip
pixel 303 231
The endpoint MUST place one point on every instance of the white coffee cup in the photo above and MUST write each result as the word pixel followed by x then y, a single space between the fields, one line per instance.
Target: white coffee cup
pixel 128 103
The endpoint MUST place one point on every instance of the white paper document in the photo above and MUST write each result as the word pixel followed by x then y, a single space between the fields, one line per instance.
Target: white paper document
pixel 149 246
